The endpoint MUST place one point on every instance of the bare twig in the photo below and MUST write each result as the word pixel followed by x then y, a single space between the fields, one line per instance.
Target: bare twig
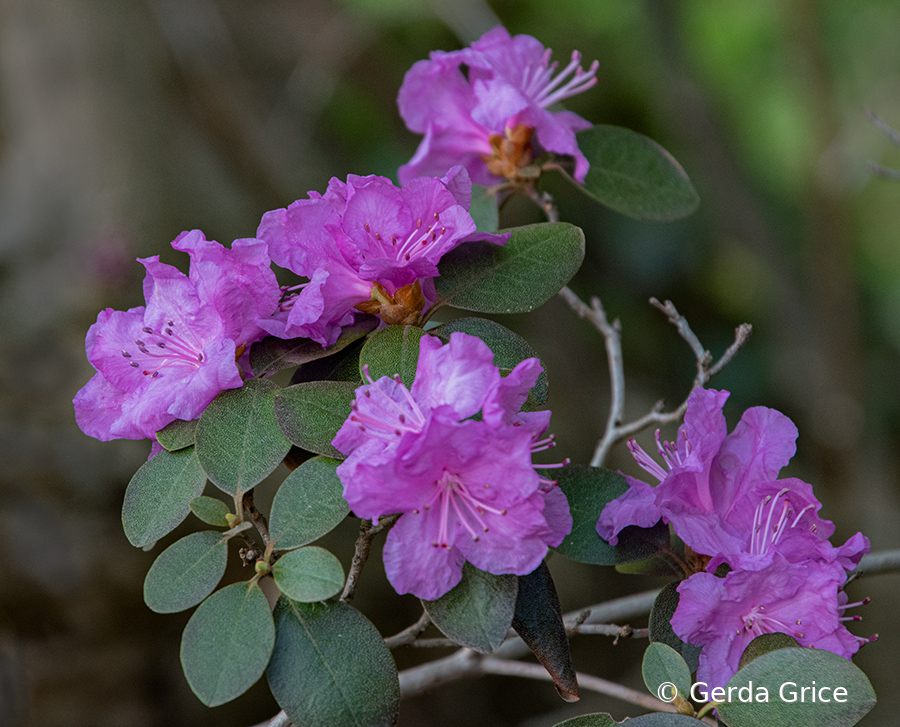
pixel 886 561
pixel 491 665
pixel 367 533
pixel 409 635
pixel 616 431
pixel 884 127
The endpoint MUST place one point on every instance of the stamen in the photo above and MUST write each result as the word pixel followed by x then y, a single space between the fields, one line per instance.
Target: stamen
pixel 645 461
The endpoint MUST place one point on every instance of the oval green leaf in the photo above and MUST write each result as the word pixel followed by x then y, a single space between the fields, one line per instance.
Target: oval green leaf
pixel 660 626
pixel 837 693
pixel 227 643
pixel 764 643
pixel 478 611
pixel 589 490
pixel 210 510
pixel 309 574
pixel 309 503
pixel 600 719
pixel 331 667
pixel 239 442
pixel 532 267
pixel 658 719
pixel 634 175
pixel 509 349
pixel 393 350
pixel 177 435
pixel 663 666
pixel 274 354
pixel 311 413
pixel 186 572
pixel 158 497
pixel 484 209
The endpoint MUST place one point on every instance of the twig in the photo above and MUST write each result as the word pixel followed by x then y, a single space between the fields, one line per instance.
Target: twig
pixel 614 630
pixel 367 533
pixel 883 171
pixel 492 665
pixel 616 431
pixel 886 561
pixel 884 127
pixel 410 634
pixel 256 517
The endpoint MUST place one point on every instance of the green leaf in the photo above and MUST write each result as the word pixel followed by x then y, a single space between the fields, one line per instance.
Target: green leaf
pixel 227 643
pixel 273 354
pixel 634 175
pixel 538 620
pixel 658 719
pixel 484 209
pixel 764 643
pixel 478 611
pixel 210 510
pixel 781 675
pixel 309 503
pixel 589 490
pixel 393 350
pixel 589 720
pixel 158 497
pixel 532 267
pixel 330 667
pixel 509 348
pixel 177 435
pixel 309 574
pixel 342 366
pixel 239 442
pixel 186 572
pixel 311 413
pixel 663 667
pixel 660 626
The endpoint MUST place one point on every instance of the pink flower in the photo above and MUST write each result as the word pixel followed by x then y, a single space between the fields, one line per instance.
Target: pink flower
pixel 723 615
pixel 168 360
pixel 467 489
pixel 722 495
pixel 485 120
pixel 366 245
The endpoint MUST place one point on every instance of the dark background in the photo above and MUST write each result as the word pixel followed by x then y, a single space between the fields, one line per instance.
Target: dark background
pixel 124 122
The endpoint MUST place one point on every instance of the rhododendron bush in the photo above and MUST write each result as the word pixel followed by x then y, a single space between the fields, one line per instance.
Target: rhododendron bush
pixel 400 407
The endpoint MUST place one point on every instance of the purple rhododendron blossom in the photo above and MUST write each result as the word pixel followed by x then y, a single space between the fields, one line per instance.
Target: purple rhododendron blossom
pixel 723 615
pixel 467 489
pixel 167 360
pixel 721 491
pixel 363 241
pixel 510 84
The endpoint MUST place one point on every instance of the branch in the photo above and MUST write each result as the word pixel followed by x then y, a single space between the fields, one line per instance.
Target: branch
pixel 885 561
pixel 256 517
pixel 367 533
pixel 884 127
pixel 410 634
pixel 616 431
pixel 492 665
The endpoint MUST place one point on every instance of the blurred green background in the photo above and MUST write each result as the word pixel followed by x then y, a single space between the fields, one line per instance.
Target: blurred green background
pixel 124 122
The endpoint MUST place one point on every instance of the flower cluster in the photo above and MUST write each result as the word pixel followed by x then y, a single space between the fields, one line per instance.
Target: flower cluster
pixel 466 487
pixel 367 247
pixel 167 360
pixel 493 118
pixel 722 496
